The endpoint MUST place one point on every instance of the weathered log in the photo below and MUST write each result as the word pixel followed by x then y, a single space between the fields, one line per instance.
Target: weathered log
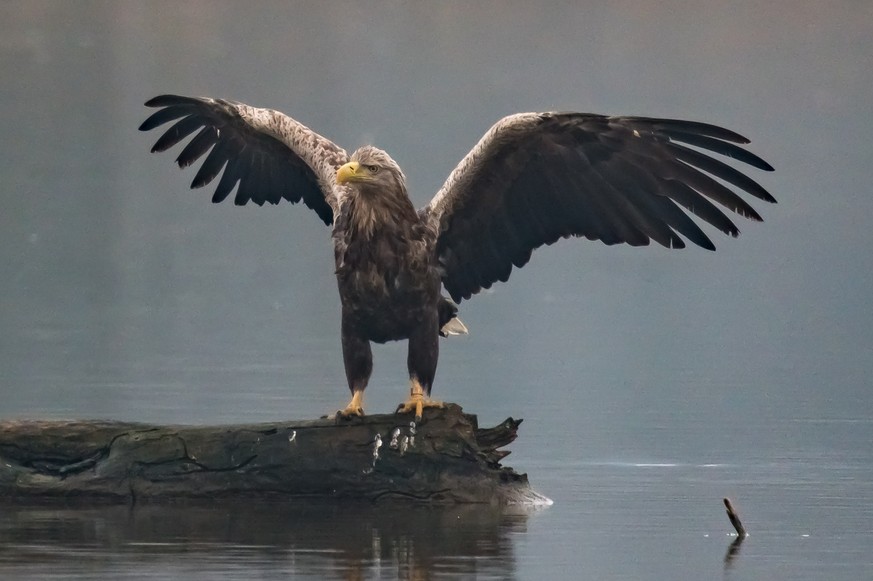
pixel 446 458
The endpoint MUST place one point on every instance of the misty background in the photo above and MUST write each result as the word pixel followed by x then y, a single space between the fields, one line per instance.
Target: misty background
pixel 124 295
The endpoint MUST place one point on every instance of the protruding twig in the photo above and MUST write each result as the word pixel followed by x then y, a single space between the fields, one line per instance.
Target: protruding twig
pixel 735 519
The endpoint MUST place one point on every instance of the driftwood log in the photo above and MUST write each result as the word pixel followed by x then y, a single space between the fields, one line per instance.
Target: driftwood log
pixel 446 458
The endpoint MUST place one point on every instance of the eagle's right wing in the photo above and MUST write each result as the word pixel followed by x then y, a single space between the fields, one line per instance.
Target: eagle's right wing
pixel 270 155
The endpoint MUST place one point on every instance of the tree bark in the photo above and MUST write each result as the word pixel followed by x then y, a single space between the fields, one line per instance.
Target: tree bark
pixel 446 458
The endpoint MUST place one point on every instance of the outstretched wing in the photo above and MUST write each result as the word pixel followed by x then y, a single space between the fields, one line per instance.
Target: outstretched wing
pixel 537 177
pixel 270 155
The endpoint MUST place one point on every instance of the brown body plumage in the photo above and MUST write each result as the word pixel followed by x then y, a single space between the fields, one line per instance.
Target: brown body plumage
pixel 531 180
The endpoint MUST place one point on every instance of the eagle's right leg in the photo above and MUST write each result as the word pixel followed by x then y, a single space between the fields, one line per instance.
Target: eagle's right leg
pixel 358 360
pixel 422 362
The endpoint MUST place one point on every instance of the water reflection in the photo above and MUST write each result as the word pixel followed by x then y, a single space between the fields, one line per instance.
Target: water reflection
pixel 311 540
pixel 733 551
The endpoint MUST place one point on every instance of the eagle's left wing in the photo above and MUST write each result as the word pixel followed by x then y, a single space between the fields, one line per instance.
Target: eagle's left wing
pixel 537 177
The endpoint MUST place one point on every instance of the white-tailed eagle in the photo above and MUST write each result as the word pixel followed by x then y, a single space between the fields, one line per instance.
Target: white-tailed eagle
pixel 532 179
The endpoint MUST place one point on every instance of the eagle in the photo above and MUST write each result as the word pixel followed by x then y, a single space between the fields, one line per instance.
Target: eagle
pixel 532 179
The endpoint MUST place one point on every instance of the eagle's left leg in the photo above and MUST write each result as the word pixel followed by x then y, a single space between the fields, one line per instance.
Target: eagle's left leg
pixel 421 362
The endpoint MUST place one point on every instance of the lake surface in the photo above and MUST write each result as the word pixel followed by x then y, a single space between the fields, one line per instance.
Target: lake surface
pixel 653 383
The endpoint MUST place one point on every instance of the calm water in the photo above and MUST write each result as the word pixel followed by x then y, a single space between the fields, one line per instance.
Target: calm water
pixel 653 383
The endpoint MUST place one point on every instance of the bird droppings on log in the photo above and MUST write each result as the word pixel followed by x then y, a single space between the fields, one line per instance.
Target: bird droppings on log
pixel 445 458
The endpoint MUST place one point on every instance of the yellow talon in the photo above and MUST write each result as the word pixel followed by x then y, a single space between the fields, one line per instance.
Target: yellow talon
pixel 417 401
pixel 355 407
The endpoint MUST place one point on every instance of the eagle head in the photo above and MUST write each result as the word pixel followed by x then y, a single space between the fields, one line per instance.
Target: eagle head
pixel 371 169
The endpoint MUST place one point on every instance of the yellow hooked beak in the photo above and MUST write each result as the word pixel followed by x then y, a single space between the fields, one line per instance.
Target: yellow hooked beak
pixel 349 172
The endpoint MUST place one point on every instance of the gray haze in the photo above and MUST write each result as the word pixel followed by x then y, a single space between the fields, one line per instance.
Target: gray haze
pixel 125 295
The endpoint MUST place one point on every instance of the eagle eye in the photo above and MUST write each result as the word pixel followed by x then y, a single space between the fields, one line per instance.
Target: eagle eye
pixel 373 168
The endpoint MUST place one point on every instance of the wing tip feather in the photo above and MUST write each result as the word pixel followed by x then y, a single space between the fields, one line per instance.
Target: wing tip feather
pixel 168 99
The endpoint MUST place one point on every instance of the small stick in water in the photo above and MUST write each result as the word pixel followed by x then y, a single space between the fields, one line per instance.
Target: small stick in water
pixel 735 520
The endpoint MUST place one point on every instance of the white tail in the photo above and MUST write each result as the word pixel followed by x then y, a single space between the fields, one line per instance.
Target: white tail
pixel 454 327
